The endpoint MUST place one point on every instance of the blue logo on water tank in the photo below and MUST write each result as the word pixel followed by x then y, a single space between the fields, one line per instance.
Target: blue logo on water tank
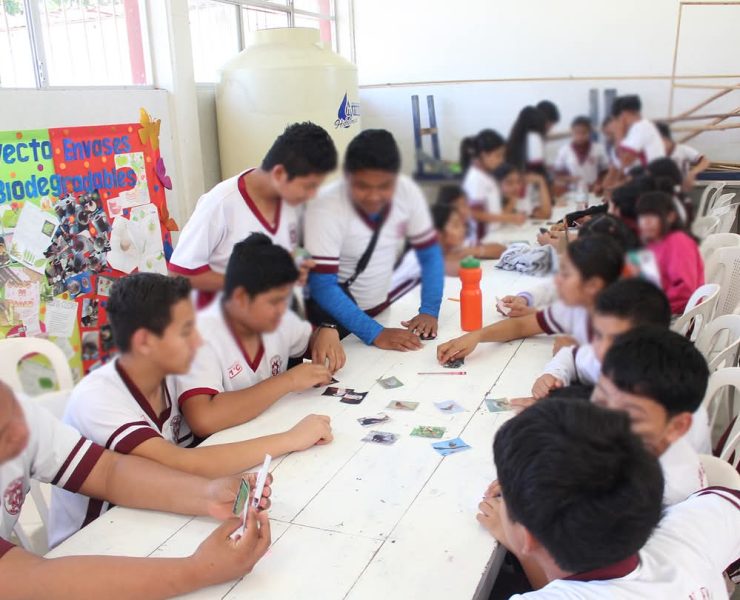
pixel 347 113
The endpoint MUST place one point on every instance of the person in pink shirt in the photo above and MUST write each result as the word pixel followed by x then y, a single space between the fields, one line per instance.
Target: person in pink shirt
pixel 676 252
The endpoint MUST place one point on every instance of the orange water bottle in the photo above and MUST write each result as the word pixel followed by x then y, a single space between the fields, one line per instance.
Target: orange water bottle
pixel 471 299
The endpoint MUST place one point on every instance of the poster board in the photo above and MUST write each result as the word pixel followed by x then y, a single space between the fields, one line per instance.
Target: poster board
pixel 79 208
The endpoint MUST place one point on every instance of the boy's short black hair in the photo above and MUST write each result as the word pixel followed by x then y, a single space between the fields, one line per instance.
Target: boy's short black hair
pixel 449 194
pixel 143 301
pixel 373 149
pixel 581 121
pixel 637 300
pixel 625 196
pixel 580 481
pixel 664 129
pixel 441 213
pixel 302 149
pixel 659 364
pixel 550 110
pixel 597 256
pixel 613 227
pixel 574 392
pixel 631 103
pixel 258 265
pixel 504 170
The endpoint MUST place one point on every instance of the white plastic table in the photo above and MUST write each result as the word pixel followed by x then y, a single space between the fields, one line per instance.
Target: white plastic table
pixel 356 520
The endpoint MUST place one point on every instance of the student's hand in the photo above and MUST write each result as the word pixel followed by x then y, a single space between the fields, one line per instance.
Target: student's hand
pixel 307 375
pixel 397 339
pixel 492 490
pixel 519 404
pixel 221 493
pixel 563 341
pixel 490 517
pixel 327 348
pixel 422 325
pixel 517 306
pixel 543 239
pixel 516 219
pixel 313 430
pixel 304 270
pixel 219 558
pixel 458 348
pixel 544 384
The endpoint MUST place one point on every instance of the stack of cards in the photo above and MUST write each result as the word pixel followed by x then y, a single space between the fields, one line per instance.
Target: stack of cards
pixel 333 381
pixel 454 363
pixel 347 395
pixel 450 446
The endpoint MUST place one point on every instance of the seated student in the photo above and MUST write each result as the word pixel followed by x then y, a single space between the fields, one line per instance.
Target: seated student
pixel 669 179
pixel 450 228
pixel 579 501
pixel 588 266
pixel 129 405
pixel 659 379
pixel 240 370
pixel 552 115
pixel 614 176
pixel 528 194
pixel 525 148
pixel 455 196
pixel 624 305
pixel 676 252
pixel 35 445
pixel 480 156
pixel 690 161
pixel 623 200
pixel 259 199
pixel 581 160
pixel 641 142
pixel 354 229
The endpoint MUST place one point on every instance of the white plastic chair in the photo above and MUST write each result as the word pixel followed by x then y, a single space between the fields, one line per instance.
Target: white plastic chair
pixel 723 267
pixel 13 350
pixel 702 227
pixel 710 194
pixel 719 472
pixel 726 211
pixel 719 342
pixel 698 312
pixel 721 389
pixel 717 241
pixel 731 450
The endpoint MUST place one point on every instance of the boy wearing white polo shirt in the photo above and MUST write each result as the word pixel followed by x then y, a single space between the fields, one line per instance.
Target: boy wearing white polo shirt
pixel 242 368
pixel 659 379
pixel 641 143
pixel 35 445
pixel 581 503
pixel 130 405
pixel 689 160
pixel 262 199
pixel 582 160
pixel 354 231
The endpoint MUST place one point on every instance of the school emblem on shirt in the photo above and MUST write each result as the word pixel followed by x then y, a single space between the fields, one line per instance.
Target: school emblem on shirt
pixel 175 424
pixel 276 365
pixel 14 496
pixel 293 234
pixel 235 369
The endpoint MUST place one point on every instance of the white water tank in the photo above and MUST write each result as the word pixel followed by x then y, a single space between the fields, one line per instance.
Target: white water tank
pixel 285 76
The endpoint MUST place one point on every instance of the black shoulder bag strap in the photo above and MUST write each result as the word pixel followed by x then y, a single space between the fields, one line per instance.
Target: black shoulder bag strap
pixel 365 258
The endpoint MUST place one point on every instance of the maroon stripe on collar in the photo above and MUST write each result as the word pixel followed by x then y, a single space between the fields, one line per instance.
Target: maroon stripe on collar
pixel 614 571
pixel 253 207
pixel 158 420
pixel 253 363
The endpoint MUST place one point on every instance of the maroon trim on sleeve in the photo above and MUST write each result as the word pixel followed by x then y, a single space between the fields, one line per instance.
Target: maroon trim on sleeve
pixel 69 459
pixel 83 469
pixel 135 438
pixel 196 392
pixel 5 547
pixel 94 510
pixel 712 491
pixel 430 242
pixel 326 269
pixel 186 271
pixel 542 322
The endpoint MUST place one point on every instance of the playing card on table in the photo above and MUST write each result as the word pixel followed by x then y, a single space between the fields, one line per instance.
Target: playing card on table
pixel 449 407
pixel 379 418
pixel 241 498
pixel 336 392
pixel 450 446
pixel 428 431
pixel 352 397
pixel 381 437
pixel 497 404
pixel 402 405
pixel 390 382
pixel 454 363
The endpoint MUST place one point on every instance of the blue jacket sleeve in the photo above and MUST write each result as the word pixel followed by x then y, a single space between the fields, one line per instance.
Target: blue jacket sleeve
pixel 432 278
pixel 325 290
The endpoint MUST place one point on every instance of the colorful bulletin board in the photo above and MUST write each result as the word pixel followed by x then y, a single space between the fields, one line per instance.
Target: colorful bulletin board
pixel 79 207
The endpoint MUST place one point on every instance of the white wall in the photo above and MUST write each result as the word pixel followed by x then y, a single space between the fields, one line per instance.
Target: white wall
pixel 485 59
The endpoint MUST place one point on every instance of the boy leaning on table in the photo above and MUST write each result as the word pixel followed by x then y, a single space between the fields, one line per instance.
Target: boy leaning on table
pixel 34 445
pixel 129 405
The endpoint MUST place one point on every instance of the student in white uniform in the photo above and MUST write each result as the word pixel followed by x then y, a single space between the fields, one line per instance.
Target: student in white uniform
pixel 480 156
pixel 249 336
pixel 588 266
pixel 641 142
pixel 354 230
pixel 262 199
pixel 659 379
pixel 35 445
pixel 581 161
pixel 130 405
pixel 689 160
pixel 525 148
pixel 579 501
pixel 523 193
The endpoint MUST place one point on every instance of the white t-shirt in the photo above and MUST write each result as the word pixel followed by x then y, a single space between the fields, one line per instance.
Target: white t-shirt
pixel 224 216
pixel 683 560
pixel 685 157
pixel 222 364
pixel 586 168
pixel 643 139
pixel 108 408
pixel 559 318
pixel 535 148
pixel 484 194
pixel 55 454
pixel 337 235
pixel 575 364
pixel 682 471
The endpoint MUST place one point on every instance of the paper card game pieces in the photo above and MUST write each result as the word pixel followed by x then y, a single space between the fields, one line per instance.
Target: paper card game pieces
pixel 454 363
pixel 375 420
pixel 336 392
pixel 497 404
pixel 450 446
pixel 381 437
pixel 449 407
pixel 352 397
pixel 402 405
pixel 390 382
pixel 427 431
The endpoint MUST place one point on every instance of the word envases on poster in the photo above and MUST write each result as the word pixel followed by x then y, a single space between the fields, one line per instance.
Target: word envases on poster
pixel 79 207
